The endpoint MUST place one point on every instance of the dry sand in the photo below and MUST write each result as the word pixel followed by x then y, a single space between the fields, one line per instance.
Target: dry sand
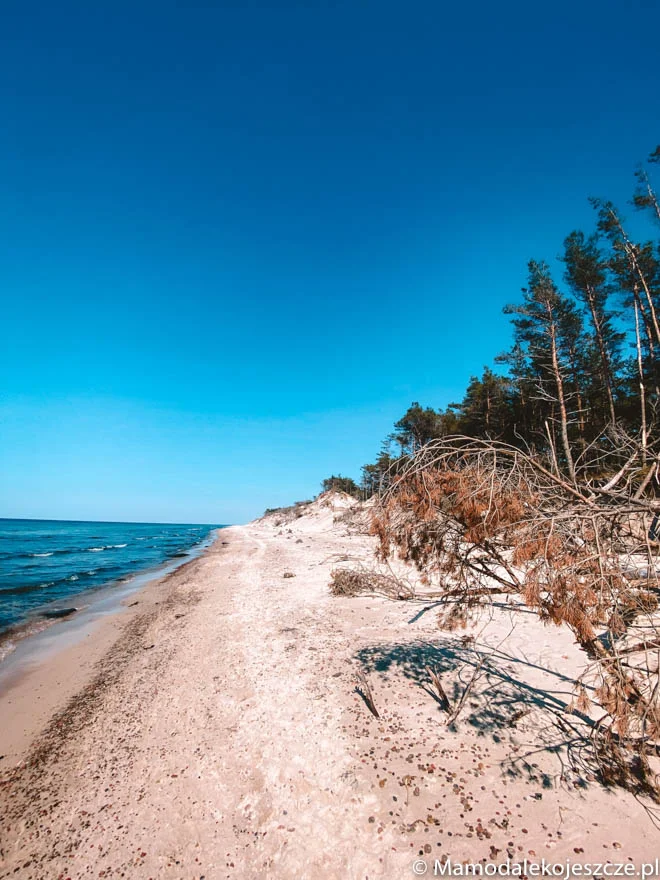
pixel 213 731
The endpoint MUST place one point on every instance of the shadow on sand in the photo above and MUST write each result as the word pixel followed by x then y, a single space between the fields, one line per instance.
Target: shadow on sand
pixel 498 702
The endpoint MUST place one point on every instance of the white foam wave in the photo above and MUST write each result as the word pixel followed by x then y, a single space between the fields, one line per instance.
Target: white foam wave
pixel 9 642
pixel 41 554
pixel 119 546
pixel 74 577
pixel 95 549
pixel 7 648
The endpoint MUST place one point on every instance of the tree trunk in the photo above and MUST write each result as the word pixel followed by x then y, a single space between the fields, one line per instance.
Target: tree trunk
pixel 561 401
pixel 642 392
pixel 604 357
pixel 632 257
pixel 631 254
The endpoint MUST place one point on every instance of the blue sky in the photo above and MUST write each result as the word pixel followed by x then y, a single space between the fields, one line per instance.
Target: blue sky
pixel 238 240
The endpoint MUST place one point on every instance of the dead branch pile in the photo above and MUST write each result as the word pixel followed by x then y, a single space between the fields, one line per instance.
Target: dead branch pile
pixel 356 582
pixel 494 519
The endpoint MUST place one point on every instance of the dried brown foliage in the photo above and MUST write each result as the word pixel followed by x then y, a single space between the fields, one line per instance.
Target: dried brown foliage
pixel 355 582
pixel 487 518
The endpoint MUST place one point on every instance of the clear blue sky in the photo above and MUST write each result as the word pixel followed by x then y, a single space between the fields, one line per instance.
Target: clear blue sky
pixel 238 240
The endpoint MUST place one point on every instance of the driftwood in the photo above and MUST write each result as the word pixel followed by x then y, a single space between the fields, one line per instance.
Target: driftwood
pixel 443 699
pixel 364 690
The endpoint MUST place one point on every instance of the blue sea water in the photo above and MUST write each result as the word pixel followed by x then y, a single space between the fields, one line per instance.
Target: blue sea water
pixel 46 564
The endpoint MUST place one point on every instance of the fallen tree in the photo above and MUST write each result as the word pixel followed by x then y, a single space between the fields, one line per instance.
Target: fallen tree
pixel 485 518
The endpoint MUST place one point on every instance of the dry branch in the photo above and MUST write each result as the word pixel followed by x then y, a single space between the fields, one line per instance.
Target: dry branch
pixel 466 692
pixel 356 582
pixel 364 689
pixel 443 699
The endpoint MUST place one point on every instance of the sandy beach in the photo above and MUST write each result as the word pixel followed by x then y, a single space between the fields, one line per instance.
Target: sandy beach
pixel 213 730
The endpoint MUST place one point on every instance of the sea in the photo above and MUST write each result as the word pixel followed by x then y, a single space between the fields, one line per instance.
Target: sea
pixel 50 568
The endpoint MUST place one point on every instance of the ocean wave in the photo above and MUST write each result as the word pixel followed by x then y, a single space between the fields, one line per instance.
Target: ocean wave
pixel 95 549
pixel 119 546
pixel 10 637
pixel 25 588
pixel 104 570
pixel 56 552
pixel 57 613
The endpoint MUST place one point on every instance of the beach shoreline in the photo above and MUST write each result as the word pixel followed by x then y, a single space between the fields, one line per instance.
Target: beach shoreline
pixel 57 574
pixel 55 625
pixel 215 730
pixel 50 666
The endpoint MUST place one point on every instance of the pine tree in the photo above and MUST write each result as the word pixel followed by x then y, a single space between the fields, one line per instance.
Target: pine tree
pixel 540 324
pixel 586 275
pixel 634 264
pixel 523 404
pixel 341 484
pixel 645 196
pixel 417 426
pixel 485 411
